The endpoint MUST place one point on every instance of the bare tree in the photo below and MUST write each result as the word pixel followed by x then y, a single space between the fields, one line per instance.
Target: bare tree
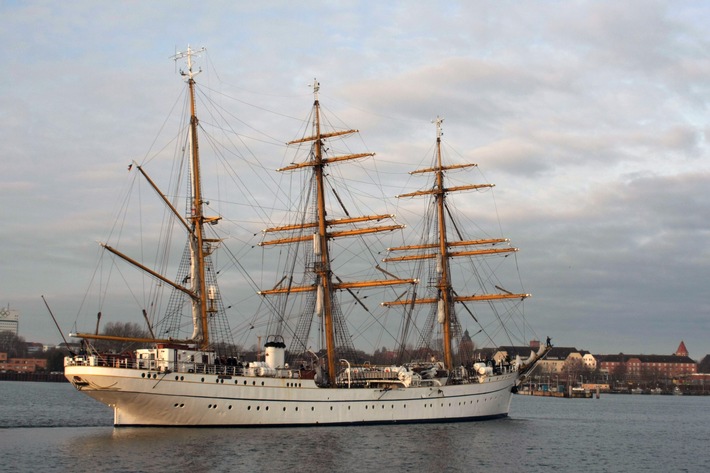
pixel 13 345
pixel 120 329
pixel 619 375
pixel 572 369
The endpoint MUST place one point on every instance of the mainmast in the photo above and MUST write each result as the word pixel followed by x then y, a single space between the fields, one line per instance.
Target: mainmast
pixel 444 309
pixel 326 283
pixel 321 245
pixel 442 254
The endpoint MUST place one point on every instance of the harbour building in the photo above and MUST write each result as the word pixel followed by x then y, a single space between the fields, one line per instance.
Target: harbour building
pixel 9 320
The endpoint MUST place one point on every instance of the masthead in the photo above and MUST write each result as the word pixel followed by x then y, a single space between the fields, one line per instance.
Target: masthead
pixel 188 54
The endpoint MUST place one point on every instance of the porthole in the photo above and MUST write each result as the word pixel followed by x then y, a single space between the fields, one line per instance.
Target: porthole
pixel 266 408
pixel 182 378
pixel 253 383
pixel 366 407
pixel 258 407
pixel 331 408
pixel 284 409
pixel 142 375
pixel 296 408
pixel 209 406
pixel 202 380
pixel 176 378
pixel 313 408
pixel 248 408
pixel 262 383
pixel 245 382
pixel 229 407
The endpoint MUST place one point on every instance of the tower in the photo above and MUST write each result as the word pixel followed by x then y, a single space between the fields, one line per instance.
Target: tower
pixel 9 320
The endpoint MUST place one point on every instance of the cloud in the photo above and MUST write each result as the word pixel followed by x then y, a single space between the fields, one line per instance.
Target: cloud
pixel 590 118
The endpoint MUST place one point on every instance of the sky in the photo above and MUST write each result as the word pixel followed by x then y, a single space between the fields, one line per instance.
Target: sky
pixel 590 117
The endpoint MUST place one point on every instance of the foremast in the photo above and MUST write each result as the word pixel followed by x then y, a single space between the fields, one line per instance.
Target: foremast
pixel 446 295
pixel 326 283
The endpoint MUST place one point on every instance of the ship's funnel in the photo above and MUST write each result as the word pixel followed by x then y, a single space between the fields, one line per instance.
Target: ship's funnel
pixel 275 353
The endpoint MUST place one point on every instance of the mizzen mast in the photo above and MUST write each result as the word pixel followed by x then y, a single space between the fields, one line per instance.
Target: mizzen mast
pixel 203 303
pixel 440 251
pixel 198 241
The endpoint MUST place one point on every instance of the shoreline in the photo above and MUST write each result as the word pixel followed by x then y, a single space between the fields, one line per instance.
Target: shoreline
pixel 35 377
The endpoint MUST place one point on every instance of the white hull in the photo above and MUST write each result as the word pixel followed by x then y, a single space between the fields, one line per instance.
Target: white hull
pixel 150 398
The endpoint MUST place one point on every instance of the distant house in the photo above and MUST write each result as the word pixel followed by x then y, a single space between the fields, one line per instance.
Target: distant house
pixel 561 358
pixel 482 354
pixel 34 348
pixel 695 383
pixel 589 361
pixel 69 347
pixel 664 366
pixel 21 365
pixel 704 365
pixel 570 359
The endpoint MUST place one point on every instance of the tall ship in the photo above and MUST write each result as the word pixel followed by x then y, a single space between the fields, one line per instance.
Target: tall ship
pixel 307 370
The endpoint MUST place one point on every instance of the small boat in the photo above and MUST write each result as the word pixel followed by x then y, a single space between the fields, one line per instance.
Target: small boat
pixel 579 392
pixel 311 372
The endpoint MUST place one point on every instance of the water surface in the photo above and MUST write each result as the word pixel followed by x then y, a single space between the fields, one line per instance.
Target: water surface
pixel 52 427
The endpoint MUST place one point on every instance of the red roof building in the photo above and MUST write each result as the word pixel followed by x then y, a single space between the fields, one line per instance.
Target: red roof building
pixel 664 366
